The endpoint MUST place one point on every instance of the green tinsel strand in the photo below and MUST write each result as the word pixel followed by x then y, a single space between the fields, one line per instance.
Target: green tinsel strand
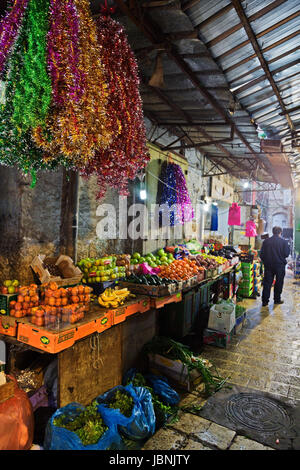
pixel 32 97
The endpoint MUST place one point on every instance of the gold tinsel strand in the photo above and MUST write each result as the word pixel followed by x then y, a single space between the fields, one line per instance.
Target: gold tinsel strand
pixel 79 127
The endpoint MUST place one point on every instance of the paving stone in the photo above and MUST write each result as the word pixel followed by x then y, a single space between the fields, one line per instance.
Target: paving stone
pixel 258 384
pixel 295 381
pixel 294 392
pixel 242 443
pixel 240 379
pixel 216 436
pixel 282 378
pixel 193 399
pixel 195 445
pixel 189 423
pixel 165 439
pixel 279 388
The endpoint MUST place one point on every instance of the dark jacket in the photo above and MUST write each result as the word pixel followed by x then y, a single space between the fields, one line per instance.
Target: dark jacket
pixel 274 251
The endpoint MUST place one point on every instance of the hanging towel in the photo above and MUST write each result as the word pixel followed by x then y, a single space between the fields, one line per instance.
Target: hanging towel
pixel 214 218
pixel 251 229
pixel 234 215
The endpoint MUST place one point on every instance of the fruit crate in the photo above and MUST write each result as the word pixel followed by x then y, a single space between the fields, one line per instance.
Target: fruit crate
pixel 44 275
pixel 52 341
pixel 139 305
pixel 4 302
pixel 7 390
pixel 211 273
pixel 151 291
pixel 162 301
pixel 8 326
pixel 105 321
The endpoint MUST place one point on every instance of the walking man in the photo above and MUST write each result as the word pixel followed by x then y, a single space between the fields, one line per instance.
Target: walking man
pixel 273 254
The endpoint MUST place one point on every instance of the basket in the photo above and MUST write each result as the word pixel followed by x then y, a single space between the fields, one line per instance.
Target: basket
pixel 7 390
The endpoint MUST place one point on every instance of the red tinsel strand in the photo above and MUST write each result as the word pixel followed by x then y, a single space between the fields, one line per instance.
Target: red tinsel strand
pixel 127 153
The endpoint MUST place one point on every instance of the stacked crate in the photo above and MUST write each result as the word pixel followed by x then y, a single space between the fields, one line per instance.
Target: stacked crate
pixel 257 277
pixel 246 286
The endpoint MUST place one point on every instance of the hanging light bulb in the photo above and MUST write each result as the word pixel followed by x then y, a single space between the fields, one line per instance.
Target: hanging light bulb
pixel 143 194
pixel 246 184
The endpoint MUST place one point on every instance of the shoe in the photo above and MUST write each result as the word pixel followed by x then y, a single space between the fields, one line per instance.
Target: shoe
pixel 279 302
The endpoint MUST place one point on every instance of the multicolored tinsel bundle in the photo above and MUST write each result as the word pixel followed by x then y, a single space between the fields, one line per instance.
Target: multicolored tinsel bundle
pixel 71 93
pixel 127 152
pixel 174 196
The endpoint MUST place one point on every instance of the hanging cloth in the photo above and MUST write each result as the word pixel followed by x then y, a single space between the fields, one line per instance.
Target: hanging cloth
pixel 214 219
pixel 234 214
pixel 251 229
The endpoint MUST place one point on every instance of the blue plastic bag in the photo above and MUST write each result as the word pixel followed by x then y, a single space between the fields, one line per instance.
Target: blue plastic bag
pixel 161 388
pixel 57 438
pixel 141 424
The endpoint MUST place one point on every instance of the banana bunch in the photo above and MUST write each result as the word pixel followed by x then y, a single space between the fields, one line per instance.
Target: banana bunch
pixel 114 297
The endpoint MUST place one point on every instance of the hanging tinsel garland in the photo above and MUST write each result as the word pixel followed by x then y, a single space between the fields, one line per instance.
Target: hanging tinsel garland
pixel 127 153
pixel 78 122
pixel 16 146
pixel 9 29
pixel 174 196
pixel 71 93
pixel 32 96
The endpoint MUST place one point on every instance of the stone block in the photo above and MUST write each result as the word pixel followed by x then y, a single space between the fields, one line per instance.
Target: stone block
pixel 242 443
pixel 165 439
pixel 215 436
pixel 189 423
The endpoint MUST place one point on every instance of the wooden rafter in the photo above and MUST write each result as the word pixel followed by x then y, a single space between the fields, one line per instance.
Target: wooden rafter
pixel 251 18
pixel 253 39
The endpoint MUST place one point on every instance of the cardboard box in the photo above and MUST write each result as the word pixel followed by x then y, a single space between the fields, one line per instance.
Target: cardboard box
pixel 175 371
pixel 217 338
pixel 44 276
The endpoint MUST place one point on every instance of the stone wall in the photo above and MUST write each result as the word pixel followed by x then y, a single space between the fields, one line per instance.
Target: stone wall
pixel 29 221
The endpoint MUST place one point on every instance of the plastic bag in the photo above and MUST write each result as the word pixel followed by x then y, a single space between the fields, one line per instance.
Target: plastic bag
pixel 16 421
pixel 57 438
pixel 141 423
pixel 161 388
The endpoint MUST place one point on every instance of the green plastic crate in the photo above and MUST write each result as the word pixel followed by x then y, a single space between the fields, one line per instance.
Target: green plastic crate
pixel 5 299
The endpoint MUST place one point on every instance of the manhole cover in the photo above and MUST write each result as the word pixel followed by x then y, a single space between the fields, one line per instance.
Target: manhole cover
pixel 257 412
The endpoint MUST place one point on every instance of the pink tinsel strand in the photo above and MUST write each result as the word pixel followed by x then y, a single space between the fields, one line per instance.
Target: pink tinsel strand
pixel 64 17
pixel 9 28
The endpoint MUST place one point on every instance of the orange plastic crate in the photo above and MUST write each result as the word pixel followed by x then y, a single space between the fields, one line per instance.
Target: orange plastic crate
pixel 8 326
pixel 44 339
pixel 161 301
pixel 138 305
pixel 105 321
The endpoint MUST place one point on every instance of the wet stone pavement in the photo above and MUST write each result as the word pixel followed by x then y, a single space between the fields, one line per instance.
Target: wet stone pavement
pixel 263 357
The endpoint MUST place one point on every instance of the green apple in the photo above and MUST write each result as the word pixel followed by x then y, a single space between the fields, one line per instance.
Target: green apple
pixel 7 283
pixel 136 255
pixel 97 279
pixel 142 259
pixel 161 252
pixel 15 283
pixel 11 290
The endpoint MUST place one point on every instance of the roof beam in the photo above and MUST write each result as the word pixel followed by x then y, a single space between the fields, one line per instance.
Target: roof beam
pixel 154 34
pixel 238 26
pixel 268 48
pixel 244 61
pixel 253 39
pixel 263 77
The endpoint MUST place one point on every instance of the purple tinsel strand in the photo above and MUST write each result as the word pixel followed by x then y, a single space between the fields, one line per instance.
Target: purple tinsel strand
pixel 9 28
pixel 55 59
